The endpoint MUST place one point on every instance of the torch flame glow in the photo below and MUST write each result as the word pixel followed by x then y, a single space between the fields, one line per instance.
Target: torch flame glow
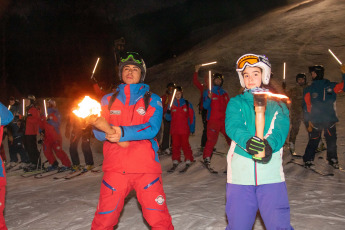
pixel 88 107
pixel 269 94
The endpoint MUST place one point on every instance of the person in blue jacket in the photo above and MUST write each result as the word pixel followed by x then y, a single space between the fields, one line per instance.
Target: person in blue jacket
pixel 256 183
pixel 5 118
pixel 319 107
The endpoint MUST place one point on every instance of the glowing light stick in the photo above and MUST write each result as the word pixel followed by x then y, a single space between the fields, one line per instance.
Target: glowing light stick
pixel 172 99
pixel 23 107
pixel 335 57
pixel 209 80
pixel 94 69
pixel 210 63
pixel 90 110
pixel 9 107
pixel 45 108
pixel 284 71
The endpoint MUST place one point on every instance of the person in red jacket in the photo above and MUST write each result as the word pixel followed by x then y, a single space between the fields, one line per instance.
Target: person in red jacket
pixel 31 130
pixel 5 118
pixel 215 101
pixel 130 155
pixel 182 117
pixel 52 142
pixel 166 99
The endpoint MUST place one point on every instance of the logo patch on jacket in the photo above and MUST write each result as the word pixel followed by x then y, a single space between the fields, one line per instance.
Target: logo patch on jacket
pixel 185 109
pixel 141 111
pixel 115 112
pixel 160 200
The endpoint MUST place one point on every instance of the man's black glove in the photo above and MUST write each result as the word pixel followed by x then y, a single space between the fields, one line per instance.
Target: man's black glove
pixel 268 154
pixel 255 145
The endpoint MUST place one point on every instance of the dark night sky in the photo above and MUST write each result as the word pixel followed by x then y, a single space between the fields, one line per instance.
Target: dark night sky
pixel 49 47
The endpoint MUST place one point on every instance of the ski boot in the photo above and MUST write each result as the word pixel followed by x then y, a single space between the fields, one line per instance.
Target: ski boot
pixel 309 165
pixel 88 168
pixel 334 163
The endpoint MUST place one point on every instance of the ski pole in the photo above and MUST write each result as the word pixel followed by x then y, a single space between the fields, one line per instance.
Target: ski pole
pixel 335 57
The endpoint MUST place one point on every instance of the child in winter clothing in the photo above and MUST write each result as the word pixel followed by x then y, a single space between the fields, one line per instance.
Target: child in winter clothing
pixel 256 183
pixel 5 118
pixel 182 117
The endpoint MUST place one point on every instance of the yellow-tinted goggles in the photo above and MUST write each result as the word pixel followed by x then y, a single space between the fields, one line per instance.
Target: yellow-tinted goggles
pixel 250 59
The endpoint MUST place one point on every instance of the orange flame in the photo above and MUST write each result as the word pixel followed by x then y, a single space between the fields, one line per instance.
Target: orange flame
pixel 88 107
pixel 269 94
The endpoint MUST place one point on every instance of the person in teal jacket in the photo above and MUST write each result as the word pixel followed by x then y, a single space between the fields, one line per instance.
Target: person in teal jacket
pixel 256 183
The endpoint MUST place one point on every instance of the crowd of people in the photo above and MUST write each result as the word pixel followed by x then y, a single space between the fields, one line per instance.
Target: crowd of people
pixel 255 178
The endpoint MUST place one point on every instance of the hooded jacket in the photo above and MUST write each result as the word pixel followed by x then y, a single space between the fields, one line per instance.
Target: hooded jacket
pixel 240 127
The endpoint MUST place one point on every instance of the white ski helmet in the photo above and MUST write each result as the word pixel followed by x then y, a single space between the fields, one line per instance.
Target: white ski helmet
pixel 254 60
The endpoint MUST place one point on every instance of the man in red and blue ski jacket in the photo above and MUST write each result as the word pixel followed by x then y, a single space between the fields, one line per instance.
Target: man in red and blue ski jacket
pixel 135 165
pixel 5 118
pixel 319 114
pixel 182 117
pixel 215 101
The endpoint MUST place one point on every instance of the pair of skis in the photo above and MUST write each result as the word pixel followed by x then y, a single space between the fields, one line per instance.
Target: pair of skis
pixel 300 162
pixel 174 167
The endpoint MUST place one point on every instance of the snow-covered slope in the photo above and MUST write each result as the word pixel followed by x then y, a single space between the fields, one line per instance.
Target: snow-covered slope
pixel 299 35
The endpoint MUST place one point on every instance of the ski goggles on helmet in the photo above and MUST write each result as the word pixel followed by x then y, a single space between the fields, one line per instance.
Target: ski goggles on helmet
pixel 250 60
pixel 132 56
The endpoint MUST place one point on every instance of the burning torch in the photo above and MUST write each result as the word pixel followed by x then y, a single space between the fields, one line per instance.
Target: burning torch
pixel 90 110
pixel 260 102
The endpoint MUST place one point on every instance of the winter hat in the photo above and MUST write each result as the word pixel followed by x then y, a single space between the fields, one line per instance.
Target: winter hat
pixel 319 70
pixel 132 58
pixel 220 76
pixel 253 60
pixel 301 75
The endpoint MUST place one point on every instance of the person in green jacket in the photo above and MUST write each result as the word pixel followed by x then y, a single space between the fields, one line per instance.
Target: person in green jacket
pixel 256 183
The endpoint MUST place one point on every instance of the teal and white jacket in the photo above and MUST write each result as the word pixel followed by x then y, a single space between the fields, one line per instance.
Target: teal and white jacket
pixel 240 127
